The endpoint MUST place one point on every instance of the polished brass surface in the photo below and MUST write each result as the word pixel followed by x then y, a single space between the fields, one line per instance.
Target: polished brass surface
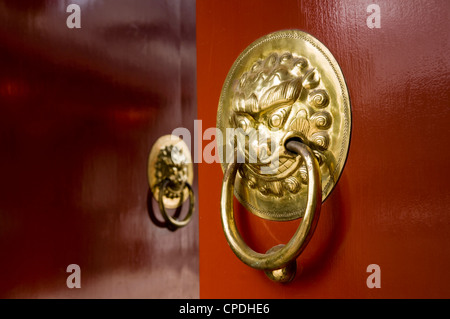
pixel 277 262
pixel 284 274
pixel 170 175
pixel 170 159
pixel 285 84
pixel 284 96
pixel 173 223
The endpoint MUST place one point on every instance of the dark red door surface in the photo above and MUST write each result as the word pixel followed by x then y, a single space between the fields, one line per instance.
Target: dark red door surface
pixel 80 111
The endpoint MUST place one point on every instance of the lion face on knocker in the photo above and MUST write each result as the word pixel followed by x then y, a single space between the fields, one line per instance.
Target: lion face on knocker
pixel 278 98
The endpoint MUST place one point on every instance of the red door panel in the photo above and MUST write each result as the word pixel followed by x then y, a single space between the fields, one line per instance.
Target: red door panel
pixel 80 111
pixel 390 206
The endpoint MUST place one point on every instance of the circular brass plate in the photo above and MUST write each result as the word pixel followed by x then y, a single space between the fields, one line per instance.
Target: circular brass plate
pixel 154 180
pixel 285 84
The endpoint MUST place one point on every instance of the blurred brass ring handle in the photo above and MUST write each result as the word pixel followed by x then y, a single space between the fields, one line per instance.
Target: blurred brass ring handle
pixel 173 223
pixel 279 262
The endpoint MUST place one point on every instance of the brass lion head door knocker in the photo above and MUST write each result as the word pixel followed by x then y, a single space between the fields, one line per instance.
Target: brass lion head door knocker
pixel 284 111
pixel 170 176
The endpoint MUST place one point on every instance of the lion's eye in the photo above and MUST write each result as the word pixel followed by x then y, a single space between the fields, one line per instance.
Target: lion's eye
pixel 276 119
pixel 243 123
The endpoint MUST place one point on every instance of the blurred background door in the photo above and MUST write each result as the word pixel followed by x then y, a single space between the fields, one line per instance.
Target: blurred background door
pixel 80 109
pixel 391 205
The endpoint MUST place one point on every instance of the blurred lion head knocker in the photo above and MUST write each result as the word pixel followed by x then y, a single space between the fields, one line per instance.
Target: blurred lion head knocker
pixel 171 164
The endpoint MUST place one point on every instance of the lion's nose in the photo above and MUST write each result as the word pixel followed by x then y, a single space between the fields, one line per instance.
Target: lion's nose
pixel 261 145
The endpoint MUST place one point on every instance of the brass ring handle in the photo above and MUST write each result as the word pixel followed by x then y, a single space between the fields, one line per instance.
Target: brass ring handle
pixel 173 223
pixel 279 262
pixel 284 85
